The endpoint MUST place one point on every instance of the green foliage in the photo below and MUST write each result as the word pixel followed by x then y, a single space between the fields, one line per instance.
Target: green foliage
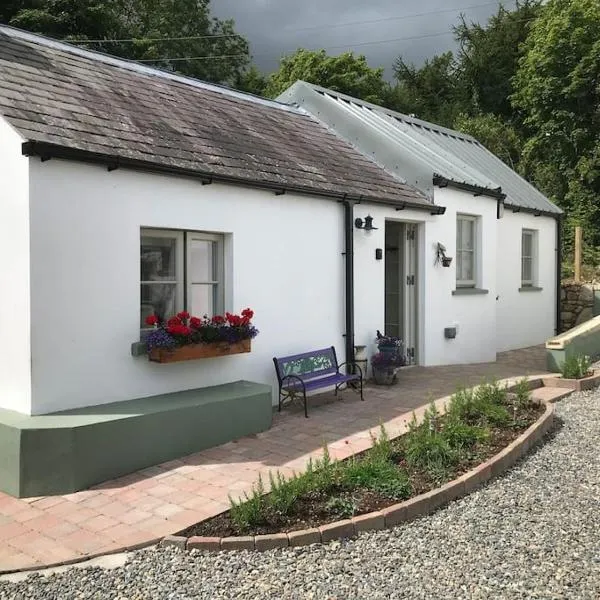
pixel 482 407
pixel 429 92
pixel 149 23
pixel 345 73
pixel 556 88
pixel 576 367
pixel 461 436
pixel 249 512
pixel 497 135
pixel 523 394
pixel 342 507
pixel 488 59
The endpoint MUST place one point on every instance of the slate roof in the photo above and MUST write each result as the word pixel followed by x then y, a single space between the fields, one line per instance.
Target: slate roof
pixel 99 106
pixel 417 150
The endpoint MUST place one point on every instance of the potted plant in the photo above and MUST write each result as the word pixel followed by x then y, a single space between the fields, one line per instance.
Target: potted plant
pixel 388 360
pixel 184 337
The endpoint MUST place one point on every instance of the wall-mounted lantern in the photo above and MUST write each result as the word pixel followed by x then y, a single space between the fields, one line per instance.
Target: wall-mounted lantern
pixel 441 256
pixel 367 224
pixel 500 209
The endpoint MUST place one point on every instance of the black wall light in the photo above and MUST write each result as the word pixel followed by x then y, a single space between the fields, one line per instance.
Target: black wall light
pixel 367 224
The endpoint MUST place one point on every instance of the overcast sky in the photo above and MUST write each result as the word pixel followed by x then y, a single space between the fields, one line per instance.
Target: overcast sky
pixel 276 27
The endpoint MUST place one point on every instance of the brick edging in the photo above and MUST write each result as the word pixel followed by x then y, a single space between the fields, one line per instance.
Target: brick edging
pixel 418 506
pixel 578 385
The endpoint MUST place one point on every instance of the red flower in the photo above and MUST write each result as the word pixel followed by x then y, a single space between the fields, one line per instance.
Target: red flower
pixel 248 313
pixel 179 329
pixel 174 322
pixel 218 320
pixel 151 320
pixel 195 323
pixel 184 314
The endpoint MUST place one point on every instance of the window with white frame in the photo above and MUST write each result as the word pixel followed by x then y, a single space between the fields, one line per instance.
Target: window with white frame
pixel 180 270
pixel 466 250
pixel 528 257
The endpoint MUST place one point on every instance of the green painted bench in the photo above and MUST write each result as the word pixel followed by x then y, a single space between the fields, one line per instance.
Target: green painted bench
pixel 71 450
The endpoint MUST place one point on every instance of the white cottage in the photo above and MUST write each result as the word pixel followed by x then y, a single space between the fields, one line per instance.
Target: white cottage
pixel 501 290
pixel 118 180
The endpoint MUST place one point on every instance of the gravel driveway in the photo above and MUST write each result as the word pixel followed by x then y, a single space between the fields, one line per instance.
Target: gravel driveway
pixel 534 533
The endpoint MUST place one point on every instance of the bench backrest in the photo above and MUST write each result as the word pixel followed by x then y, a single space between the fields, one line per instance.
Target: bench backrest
pixel 309 365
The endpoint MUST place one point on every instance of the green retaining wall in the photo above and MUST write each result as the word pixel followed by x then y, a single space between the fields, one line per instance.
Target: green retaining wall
pixel 71 450
pixel 581 340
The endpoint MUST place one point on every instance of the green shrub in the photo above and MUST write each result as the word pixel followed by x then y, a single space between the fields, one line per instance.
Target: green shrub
pixel 460 435
pixel 398 488
pixel 523 394
pixel 428 450
pixel 576 367
pixel 480 407
pixel 249 512
pixel 342 507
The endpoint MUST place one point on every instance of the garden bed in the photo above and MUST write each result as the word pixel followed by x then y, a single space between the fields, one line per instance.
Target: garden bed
pixel 476 426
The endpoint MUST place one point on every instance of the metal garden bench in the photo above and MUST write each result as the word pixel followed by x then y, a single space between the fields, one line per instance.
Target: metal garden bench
pixel 301 373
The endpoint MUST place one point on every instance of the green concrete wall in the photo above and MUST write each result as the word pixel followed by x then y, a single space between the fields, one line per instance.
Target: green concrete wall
pixel 72 450
pixel 581 340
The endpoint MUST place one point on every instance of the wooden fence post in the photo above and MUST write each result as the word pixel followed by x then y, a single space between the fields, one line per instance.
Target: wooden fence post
pixel 578 244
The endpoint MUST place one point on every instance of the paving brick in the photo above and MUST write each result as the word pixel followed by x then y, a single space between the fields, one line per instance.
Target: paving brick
pixel 238 543
pixel 304 537
pixel 393 515
pixel 203 543
pixel 369 522
pixel 337 530
pixel 268 542
pixel 174 540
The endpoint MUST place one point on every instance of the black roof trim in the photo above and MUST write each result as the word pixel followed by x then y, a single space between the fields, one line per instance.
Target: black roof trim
pixel 46 151
pixel 477 190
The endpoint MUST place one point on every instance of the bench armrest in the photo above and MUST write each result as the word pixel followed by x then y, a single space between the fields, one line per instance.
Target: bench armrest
pixel 293 377
pixel 352 362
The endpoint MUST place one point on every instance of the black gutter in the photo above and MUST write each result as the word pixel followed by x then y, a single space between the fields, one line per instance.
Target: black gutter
pixel 46 151
pixel 349 283
pixel 559 224
pixel 536 212
pixel 477 190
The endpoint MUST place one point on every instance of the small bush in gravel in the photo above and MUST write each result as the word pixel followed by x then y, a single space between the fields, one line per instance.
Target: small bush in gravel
pixel 576 367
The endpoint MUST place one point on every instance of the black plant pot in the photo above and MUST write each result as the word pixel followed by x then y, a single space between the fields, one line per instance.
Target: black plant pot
pixel 446 261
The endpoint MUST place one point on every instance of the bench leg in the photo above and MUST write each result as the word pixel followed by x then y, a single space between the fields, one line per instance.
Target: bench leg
pixel 361 388
pixel 305 406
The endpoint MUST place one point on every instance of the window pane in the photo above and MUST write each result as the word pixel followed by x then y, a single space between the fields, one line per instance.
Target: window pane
pixel 527 244
pixel 459 237
pixel 467 234
pixel 203 261
pixel 158 256
pixel 466 266
pixel 527 269
pixel 157 299
pixel 202 301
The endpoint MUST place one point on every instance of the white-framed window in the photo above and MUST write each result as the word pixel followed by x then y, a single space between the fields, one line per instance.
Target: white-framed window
pixel 466 250
pixel 528 257
pixel 180 270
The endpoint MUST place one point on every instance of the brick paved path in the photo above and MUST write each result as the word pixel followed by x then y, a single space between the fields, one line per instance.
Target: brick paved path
pixel 143 507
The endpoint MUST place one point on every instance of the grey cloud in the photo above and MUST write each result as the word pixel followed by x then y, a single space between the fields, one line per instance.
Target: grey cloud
pixel 277 27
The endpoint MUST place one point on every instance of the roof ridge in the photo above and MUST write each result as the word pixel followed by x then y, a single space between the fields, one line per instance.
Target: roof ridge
pixel 136 67
pixel 395 114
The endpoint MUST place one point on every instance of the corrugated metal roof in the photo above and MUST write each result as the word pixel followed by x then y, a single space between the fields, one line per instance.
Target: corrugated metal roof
pixel 414 149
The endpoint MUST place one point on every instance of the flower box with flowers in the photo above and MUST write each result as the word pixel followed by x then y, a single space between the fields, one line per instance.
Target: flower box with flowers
pixel 184 337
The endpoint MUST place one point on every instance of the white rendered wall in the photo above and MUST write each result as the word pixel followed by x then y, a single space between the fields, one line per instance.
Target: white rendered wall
pixel 525 318
pixel 15 369
pixel 473 315
pixel 85 252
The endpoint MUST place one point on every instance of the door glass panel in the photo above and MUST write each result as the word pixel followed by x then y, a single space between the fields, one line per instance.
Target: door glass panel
pixel 158 258
pixel 202 301
pixel 157 299
pixel 202 261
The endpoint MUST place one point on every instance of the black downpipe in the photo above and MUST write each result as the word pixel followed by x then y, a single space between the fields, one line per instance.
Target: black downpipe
pixel 349 253
pixel 559 224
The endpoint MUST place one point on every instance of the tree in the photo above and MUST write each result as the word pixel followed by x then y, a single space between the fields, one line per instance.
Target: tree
pixel 346 73
pixel 178 35
pixel 495 134
pixel 488 57
pixel 252 81
pixel 429 92
pixel 557 87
